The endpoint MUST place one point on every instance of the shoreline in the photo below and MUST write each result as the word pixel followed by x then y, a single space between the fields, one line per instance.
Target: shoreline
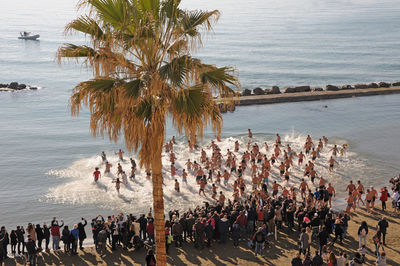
pixel 312 96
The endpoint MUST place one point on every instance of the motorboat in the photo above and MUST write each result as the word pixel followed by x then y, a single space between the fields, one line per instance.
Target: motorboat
pixel 28 36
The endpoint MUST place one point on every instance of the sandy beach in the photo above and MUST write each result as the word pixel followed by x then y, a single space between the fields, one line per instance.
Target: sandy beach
pixel 280 252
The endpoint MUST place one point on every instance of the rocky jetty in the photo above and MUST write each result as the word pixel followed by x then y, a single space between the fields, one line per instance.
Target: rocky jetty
pixel 15 86
pixel 305 88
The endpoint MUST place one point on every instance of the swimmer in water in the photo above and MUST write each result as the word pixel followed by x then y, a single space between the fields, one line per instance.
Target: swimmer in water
pixel 133 163
pixel 332 163
pixel 177 186
pixel 120 154
pixel 332 193
pixel 103 156
pixel 343 149
pixel 184 176
pixel 250 133
pixel 334 150
pixel 117 184
pixel 278 139
pixel 96 174
pixel 132 176
pixel 108 168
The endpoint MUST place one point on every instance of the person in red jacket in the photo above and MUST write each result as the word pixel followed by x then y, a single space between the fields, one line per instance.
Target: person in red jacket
pixel 242 221
pixel 384 197
pixel 55 233
pixel 150 230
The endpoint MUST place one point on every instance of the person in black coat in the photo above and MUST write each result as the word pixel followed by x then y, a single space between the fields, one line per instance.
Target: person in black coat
pixel 14 241
pixel 20 237
pixel 65 239
pixel 82 233
pixel 323 238
pixel 209 231
pixel 5 242
pixel 143 225
pixel 223 228
pixel 46 235
pixel 39 235
pixel 32 250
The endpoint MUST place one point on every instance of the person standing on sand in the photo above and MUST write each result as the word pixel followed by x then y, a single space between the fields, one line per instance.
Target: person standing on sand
pixel 382 227
pixel 374 197
pixel 55 233
pixel 362 234
pixel 150 258
pixel 361 191
pixel 176 185
pixel 350 203
pixel 96 174
pixel 384 197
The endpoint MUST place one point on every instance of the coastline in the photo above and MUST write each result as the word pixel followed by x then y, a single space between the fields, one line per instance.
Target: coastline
pixel 312 96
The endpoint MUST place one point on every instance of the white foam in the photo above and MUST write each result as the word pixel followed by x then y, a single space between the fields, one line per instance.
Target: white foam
pixel 135 197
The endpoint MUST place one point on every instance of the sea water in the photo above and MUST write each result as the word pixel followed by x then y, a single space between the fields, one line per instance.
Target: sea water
pixel 47 157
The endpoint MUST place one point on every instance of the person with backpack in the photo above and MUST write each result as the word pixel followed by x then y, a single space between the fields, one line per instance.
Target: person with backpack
pixel 362 234
pixel 259 239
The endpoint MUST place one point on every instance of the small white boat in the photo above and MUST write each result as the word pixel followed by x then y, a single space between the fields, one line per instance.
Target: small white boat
pixel 28 36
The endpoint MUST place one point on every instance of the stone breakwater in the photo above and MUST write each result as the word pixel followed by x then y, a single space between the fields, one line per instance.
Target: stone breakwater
pixel 306 93
pixel 15 86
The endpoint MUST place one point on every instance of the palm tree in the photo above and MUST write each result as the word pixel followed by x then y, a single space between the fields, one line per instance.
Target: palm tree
pixel 144 72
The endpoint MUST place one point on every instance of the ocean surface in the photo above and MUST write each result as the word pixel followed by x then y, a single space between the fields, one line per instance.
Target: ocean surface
pixel 47 157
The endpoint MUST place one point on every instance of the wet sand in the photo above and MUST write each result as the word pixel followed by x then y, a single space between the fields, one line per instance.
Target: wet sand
pixel 280 252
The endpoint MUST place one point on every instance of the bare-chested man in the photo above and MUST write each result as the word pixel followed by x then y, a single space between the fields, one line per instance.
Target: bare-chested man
pixel 250 133
pixel 303 188
pixel 221 198
pixel 275 189
pixel 334 150
pixel 301 158
pixel 332 193
pixel 361 190
pixel 350 187
pixel 108 168
pixel 199 175
pixel 332 164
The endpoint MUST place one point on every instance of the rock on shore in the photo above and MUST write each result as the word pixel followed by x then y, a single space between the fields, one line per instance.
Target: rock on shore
pixel 15 86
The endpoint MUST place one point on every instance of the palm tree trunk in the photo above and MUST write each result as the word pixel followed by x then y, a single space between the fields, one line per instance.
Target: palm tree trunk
pixel 158 203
